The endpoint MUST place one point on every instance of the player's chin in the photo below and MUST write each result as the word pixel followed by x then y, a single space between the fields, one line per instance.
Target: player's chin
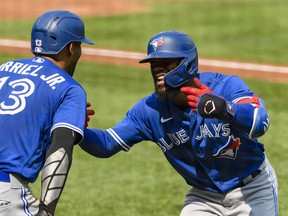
pixel 171 93
pixel 161 93
pixel 164 94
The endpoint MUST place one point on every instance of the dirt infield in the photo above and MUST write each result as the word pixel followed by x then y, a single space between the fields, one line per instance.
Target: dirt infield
pixel 19 9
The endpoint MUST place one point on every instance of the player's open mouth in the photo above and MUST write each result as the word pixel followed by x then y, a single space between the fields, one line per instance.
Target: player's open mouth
pixel 160 82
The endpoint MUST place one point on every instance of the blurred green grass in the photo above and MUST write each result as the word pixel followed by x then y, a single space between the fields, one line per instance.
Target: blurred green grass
pixel 141 182
pixel 250 30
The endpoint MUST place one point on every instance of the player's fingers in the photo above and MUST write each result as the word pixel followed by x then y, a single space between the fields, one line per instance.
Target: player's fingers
pixel 192 105
pixel 192 98
pixel 88 104
pixel 203 88
pixel 188 90
pixel 90 112
pixel 184 90
pixel 199 84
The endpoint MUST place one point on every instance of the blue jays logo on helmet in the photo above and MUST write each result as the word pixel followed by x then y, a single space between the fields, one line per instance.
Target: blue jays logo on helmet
pixel 157 43
pixel 174 44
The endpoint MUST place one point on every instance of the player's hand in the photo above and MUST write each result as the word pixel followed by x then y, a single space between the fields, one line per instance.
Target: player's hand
pixel 194 93
pixel 42 212
pixel 89 112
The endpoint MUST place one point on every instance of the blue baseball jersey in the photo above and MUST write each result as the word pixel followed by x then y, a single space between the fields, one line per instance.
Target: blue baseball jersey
pixel 36 97
pixel 208 153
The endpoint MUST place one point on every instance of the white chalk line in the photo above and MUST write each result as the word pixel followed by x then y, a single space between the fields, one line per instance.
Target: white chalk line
pixel 138 56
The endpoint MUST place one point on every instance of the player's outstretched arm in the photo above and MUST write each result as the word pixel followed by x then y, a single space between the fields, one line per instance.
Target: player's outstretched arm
pixel 99 143
pixel 56 168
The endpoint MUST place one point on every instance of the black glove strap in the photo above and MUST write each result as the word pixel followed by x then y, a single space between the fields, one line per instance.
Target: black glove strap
pixel 212 106
pixel 43 211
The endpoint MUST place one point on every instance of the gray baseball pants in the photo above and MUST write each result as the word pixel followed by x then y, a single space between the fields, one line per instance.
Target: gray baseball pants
pixel 257 198
pixel 16 198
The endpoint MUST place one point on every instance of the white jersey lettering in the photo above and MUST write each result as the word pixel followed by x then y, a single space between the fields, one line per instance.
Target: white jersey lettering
pixel 53 79
pixel 216 131
pixel 20 68
pixel 176 138
pixel 22 88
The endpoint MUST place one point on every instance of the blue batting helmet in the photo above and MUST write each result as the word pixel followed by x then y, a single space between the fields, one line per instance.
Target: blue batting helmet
pixel 174 44
pixel 53 30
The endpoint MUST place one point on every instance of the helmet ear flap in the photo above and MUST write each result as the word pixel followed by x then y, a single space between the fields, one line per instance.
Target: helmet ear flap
pixel 189 65
pixel 192 65
pixel 186 70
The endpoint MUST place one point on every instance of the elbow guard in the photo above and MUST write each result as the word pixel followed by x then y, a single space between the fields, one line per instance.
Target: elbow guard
pixel 260 121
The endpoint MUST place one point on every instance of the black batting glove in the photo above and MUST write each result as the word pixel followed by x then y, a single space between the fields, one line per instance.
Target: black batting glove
pixel 43 210
pixel 212 106
pixel 43 213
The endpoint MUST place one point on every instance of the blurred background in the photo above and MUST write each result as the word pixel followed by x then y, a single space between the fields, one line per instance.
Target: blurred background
pixel 252 34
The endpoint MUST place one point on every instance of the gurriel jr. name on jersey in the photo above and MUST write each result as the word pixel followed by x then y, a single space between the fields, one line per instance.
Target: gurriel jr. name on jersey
pixel 31 70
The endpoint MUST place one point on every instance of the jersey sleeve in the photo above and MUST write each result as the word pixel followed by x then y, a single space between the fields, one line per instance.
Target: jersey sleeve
pixel 130 130
pixel 71 110
pixel 235 88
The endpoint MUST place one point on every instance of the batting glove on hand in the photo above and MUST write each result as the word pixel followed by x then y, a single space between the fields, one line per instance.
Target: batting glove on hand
pixel 89 112
pixel 42 212
pixel 194 93
pixel 212 106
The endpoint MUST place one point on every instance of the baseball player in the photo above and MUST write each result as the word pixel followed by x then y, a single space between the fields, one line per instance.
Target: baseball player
pixel 42 115
pixel 206 124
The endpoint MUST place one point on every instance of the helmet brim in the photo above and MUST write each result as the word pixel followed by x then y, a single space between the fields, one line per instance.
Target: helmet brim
pixel 87 41
pixel 159 55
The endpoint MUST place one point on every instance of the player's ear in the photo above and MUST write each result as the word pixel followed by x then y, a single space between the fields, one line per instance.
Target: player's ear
pixel 74 47
pixel 67 51
pixel 71 48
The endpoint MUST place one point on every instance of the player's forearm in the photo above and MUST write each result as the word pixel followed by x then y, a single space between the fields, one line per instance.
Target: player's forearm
pixel 249 114
pixel 99 143
pixel 54 175
pixel 56 167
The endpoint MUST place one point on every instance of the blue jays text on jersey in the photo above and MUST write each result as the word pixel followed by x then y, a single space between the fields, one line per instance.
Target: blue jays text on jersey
pixel 208 153
pixel 36 97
